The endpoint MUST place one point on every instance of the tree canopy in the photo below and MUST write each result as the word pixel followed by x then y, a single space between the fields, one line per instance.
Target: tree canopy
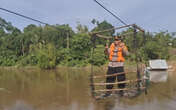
pixel 48 46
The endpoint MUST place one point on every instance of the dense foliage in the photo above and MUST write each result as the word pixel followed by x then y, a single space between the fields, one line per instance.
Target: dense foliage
pixel 49 46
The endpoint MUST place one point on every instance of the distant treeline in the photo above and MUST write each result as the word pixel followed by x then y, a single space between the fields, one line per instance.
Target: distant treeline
pixel 48 46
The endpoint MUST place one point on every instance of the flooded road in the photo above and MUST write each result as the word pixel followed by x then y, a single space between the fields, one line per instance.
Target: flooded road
pixel 68 89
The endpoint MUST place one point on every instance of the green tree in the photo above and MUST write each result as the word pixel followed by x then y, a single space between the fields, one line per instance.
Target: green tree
pixel 46 56
pixel 174 42
pixel 100 27
pixel 65 33
pixel 82 28
pixel 99 57
pixel 80 49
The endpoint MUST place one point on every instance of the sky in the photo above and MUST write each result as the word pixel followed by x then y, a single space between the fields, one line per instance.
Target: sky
pixel 151 15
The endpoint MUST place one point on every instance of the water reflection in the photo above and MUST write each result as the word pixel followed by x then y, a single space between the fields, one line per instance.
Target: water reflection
pixel 68 89
pixel 19 105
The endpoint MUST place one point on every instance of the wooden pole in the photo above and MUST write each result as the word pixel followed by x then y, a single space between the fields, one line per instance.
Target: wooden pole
pixel 124 35
pixel 67 40
pixel 110 37
pixel 122 82
pixel 102 84
pixel 102 76
pixel 139 28
pixel 134 25
pixel 125 89
pixel 104 37
pixel 112 29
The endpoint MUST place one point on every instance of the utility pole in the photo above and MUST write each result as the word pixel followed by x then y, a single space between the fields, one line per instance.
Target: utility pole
pixel 68 40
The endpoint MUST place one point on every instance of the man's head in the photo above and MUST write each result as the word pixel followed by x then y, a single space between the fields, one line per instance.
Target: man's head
pixel 117 40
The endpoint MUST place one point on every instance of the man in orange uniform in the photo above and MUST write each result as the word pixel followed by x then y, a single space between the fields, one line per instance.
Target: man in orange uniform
pixel 116 54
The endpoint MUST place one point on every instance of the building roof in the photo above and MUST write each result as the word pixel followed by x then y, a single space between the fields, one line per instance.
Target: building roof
pixel 158 64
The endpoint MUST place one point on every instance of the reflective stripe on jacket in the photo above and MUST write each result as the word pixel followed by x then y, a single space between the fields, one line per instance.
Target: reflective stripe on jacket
pixel 116 53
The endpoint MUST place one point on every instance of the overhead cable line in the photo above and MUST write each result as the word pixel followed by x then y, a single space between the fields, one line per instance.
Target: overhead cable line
pixel 23 16
pixel 111 12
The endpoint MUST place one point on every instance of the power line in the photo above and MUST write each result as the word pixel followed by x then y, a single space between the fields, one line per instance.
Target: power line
pixel 24 16
pixel 111 12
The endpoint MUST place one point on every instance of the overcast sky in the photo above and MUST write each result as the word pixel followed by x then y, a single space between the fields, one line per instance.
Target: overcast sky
pixel 152 15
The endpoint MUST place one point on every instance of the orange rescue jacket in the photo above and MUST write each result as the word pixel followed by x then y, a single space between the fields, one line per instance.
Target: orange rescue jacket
pixel 120 57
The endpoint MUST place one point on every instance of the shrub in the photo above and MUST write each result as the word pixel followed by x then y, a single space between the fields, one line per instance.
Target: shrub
pixel 46 56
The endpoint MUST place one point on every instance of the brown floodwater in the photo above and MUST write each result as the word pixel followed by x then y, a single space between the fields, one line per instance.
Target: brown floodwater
pixel 68 89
